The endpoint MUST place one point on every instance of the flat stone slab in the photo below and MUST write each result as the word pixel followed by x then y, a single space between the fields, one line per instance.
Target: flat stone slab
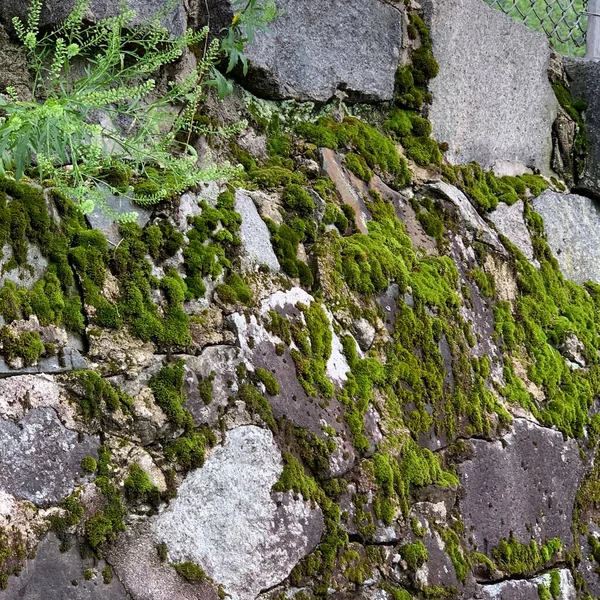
pixel 69 360
pixel 225 519
pixel 572 226
pixel 492 101
pixel 524 484
pixel 316 48
pixel 527 589
pixel 40 458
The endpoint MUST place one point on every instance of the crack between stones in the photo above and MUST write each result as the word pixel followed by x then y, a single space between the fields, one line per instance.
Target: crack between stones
pixel 558 565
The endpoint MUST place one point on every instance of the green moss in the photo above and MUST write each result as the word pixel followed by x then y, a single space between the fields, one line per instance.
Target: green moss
pixel 190 571
pixel 88 574
pixel 189 450
pixel 257 404
pixel 485 282
pixel 415 554
pixel 205 388
pixel 88 464
pixel 94 395
pixel 459 559
pixel 268 380
pixel 27 346
pixel 107 574
pixel 358 165
pixel 296 198
pixel 555 587
pixel 514 558
pixel 138 486
pixel 167 386
pixel 335 216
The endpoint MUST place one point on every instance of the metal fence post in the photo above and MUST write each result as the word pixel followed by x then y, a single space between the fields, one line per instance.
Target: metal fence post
pixel 593 32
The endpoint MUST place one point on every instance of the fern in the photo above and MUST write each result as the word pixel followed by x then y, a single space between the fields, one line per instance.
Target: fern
pixel 96 103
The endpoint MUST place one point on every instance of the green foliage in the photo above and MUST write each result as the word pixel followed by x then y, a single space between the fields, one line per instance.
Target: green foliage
pixel 296 198
pixel 459 560
pixel 257 404
pixel 167 386
pixel 189 450
pixel 120 60
pixel 27 346
pixel 358 165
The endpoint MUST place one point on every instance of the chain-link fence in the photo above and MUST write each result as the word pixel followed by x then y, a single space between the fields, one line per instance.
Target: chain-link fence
pixel 563 21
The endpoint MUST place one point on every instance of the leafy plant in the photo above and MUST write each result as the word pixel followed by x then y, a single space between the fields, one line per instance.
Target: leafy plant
pixel 96 106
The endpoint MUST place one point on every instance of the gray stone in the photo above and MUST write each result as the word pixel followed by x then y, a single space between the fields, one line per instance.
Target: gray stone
pixel 314 49
pixel 69 359
pixel 469 216
pixel 527 589
pixel 49 576
pixel 364 333
pixel 572 226
pixel 54 11
pixel 99 219
pixel 24 276
pixel 492 101
pixel 524 484
pixel 225 519
pixel 585 85
pixel 510 222
pixel 135 560
pixel 256 239
pixel 40 458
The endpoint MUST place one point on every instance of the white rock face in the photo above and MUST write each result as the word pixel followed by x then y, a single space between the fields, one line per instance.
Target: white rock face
pixel 225 520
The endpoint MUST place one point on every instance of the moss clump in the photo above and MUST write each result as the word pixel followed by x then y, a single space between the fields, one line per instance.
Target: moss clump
pixel 376 149
pixel 358 165
pixel 485 189
pixel 234 290
pixel 27 346
pixel 167 386
pixel 257 404
pixel 334 215
pixel 138 486
pixel 415 554
pixel 285 243
pixel 94 395
pixel 205 388
pixel 514 558
pixel 268 380
pixel 89 464
pixel 190 571
pixel 107 574
pixel 189 450
pixel 296 198
pixel 460 561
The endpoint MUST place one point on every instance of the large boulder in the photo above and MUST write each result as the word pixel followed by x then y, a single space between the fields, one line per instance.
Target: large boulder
pixel 572 226
pixel 585 85
pixel 492 101
pixel 55 11
pixel 316 48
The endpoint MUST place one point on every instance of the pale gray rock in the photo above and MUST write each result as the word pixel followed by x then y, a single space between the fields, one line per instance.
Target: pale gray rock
pixel 55 11
pixel 314 49
pixel 469 216
pixel 510 222
pixel 572 226
pixel 492 101
pixel 524 484
pixel 364 333
pixel 68 359
pixel 527 589
pixel 225 519
pixel 585 85
pixel 256 239
pixel 99 219
pixel 51 573
pixel 40 458
pixel 24 276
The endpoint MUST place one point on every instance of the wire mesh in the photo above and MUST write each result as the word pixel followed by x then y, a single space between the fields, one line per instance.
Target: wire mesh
pixel 563 21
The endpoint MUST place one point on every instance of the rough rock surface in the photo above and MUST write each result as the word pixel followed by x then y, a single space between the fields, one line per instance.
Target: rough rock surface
pixel 479 108
pixel 510 222
pixel 225 519
pixel 40 458
pixel 52 574
pixel 583 76
pixel 55 11
pixel 256 240
pixel 509 489
pixel 572 223
pixel 342 54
